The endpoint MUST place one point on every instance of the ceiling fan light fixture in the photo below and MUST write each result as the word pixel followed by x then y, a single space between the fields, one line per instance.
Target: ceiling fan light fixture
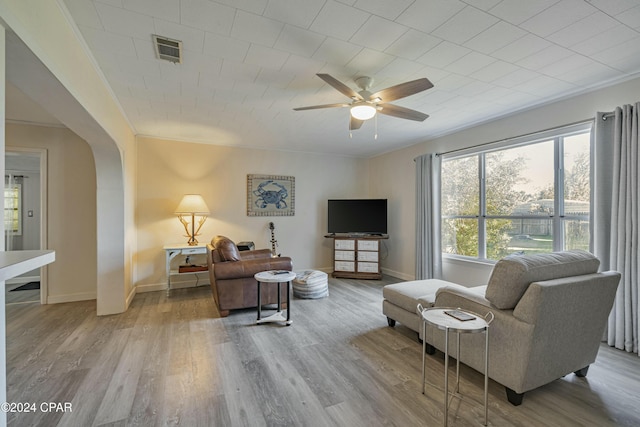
pixel 365 104
pixel 363 111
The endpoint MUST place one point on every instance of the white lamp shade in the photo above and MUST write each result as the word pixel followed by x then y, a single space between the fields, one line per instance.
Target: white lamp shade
pixel 363 111
pixel 192 204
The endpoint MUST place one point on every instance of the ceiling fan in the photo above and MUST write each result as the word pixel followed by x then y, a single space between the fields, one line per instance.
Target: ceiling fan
pixel 365 105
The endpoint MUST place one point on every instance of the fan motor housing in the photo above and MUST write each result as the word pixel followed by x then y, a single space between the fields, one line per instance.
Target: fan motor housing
pixel 364 82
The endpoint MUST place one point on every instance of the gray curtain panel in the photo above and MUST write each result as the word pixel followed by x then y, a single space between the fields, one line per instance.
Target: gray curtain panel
pixel 428 242
pixel 616 216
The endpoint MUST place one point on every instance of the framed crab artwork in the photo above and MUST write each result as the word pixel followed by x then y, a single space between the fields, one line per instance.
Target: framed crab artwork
pixel 271 195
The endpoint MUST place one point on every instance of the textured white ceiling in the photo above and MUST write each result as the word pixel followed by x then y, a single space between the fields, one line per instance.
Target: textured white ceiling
pixel 248 63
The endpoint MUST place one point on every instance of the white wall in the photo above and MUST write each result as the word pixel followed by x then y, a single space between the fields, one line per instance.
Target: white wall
pixel 393 178
pixel 30 238
pixel 392 168
pixel 47 61
pixel 169 169
pixel 71 209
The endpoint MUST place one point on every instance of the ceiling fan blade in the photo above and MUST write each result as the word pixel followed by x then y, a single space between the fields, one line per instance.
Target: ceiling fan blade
pixel 402 112
pixel 355 123
pixel 403 89
pixel 315 107
pixel 339 86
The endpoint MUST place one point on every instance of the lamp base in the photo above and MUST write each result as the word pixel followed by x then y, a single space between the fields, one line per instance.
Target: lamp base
pixel 191 234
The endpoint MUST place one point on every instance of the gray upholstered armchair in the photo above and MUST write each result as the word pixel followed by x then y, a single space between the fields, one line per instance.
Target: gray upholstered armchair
pixel 550 314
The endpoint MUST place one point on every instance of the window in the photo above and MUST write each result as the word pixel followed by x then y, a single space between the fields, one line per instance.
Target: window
pixel 12 209
pixel 531 196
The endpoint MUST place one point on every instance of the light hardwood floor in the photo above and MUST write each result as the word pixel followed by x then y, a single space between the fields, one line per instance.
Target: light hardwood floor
pixel 172 361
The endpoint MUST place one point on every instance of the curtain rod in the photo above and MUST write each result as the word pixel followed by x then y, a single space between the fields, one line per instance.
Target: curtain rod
pixel 515 137
pixel 609 114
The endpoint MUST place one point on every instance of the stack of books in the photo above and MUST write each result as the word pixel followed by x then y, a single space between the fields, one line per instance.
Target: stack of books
pixel 191 268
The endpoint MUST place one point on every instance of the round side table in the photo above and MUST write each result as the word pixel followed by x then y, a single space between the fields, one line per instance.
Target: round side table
pixel 438 317
pixel 279 277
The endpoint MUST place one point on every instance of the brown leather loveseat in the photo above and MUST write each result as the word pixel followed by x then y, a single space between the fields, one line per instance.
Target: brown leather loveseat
pixel 231 275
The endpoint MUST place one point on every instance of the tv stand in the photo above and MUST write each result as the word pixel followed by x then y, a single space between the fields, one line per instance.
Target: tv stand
pixel 357 256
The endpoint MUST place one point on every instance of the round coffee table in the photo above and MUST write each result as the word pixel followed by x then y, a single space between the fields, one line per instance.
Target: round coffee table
pixel 279 277
pixel 445 319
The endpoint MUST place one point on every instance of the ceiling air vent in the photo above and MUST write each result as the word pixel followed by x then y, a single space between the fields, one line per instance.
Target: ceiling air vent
pixel 168 49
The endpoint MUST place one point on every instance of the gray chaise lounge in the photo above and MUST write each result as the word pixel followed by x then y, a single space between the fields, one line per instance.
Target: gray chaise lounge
pixel 550 314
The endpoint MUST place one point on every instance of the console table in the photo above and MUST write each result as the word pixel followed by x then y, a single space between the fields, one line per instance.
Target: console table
pixel 172 251
pixel 356 256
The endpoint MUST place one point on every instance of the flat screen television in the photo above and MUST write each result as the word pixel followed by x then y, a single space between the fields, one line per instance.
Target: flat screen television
pixel 357 216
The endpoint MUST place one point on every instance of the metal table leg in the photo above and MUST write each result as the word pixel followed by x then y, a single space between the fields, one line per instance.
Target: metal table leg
pixel 446 376
pixel 279 298
pixel 424 350
pixel 259 302
pixel 457 389
pixel 288 303
pixel 486 376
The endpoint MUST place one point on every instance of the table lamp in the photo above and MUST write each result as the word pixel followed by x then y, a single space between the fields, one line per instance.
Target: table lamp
pixel 192 204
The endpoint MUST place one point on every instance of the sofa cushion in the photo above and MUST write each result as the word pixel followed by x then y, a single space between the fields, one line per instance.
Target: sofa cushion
pixel 227 250
pixel 512 275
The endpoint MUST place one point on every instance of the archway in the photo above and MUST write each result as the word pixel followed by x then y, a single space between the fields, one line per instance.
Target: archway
pixel 30 75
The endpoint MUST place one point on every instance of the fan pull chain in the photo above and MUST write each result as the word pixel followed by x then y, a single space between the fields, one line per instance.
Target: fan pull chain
pixel 350 130
pixel 375 136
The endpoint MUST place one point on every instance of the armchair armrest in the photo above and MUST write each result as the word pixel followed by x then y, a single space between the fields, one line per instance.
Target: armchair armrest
pixel 505 327
pixel 248 268
pixel 447 296
pixel 471 301
pixel 510 339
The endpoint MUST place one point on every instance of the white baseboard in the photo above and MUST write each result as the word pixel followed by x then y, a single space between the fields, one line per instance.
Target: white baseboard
pixel 150 288
pixel 130 297
pixel 81 296
pixel 399 275
pixel 174 285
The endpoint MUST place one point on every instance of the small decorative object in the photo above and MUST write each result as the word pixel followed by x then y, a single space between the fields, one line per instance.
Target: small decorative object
pixel 270 195
pixel 274 242
pixel 194 205
pixel 192 268
pixel 245 246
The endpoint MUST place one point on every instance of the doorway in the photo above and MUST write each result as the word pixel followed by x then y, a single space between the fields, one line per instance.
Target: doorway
pixel 25 218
